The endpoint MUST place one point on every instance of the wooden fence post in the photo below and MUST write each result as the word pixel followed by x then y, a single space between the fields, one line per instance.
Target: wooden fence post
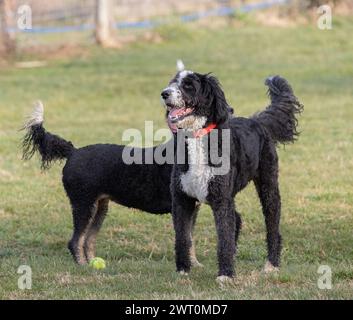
pixel 6 18
pixel 104 20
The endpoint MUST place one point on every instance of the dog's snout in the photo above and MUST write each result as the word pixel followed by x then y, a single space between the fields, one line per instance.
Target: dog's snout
pixel 166 93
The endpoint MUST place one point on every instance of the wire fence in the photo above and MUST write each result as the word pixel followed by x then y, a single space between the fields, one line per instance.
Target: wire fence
pixel 76 18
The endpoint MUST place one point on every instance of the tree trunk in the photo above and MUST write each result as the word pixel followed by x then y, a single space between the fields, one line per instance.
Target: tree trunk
pixel 6 16
pixel 104 21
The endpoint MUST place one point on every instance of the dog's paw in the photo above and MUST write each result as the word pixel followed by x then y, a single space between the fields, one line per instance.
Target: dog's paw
pixel 183 273
pixel 81 262
pixel 269 267
pixel 224 280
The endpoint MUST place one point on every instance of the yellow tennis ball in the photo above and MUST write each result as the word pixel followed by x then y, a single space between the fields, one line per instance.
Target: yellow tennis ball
pixel 97 263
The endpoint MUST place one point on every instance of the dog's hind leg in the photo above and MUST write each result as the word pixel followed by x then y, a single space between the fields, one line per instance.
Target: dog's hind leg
pixel 94 227
pixel 268 190
pixel 82 218
pixel 193 258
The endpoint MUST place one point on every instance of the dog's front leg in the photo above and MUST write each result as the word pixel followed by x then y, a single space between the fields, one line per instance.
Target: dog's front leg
pixel 183 209
pixel 225 225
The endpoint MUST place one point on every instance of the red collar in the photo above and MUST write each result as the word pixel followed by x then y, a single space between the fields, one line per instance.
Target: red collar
pixel 201 132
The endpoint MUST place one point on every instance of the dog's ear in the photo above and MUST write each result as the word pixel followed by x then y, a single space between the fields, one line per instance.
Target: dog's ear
pixel 218 103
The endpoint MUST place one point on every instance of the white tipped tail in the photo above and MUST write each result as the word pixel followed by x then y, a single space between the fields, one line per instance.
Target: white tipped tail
pixel 180 65
pixel 37 140
pixel 37 115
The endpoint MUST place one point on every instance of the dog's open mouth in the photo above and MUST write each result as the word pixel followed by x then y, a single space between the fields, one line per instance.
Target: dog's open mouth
pixel 176 115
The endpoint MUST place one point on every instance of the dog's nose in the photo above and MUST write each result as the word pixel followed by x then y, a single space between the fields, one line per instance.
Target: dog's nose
pixel 165 94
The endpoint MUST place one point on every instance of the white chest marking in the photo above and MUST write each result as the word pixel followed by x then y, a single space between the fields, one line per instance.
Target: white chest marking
pixel 196 180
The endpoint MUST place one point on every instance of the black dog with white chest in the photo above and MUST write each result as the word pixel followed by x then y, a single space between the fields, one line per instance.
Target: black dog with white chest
pixel 197 107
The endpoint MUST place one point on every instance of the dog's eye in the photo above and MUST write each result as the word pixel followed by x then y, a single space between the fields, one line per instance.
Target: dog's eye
pixel 187 85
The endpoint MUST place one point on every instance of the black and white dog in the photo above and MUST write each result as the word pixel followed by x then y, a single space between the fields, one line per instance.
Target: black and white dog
pixel 196 107
pixel 94 175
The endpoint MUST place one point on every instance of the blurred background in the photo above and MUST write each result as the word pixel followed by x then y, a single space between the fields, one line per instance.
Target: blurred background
pixel 47 25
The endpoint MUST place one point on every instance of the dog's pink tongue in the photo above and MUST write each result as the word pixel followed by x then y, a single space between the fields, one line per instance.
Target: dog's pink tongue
pixel 172 126
pixel 174 114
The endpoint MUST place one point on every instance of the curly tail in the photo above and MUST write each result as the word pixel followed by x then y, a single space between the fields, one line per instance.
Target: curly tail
pixel 279 118
pixel 37 139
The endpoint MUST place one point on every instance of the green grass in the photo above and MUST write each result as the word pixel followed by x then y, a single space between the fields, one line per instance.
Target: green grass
pixel 95 98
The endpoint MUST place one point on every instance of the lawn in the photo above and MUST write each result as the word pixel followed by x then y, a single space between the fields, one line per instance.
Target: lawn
pixel 95 97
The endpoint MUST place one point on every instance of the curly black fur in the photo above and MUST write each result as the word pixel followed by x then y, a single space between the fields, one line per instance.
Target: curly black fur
pixel 252 157
pixel 51 147
pixel 214 95
pixel 279 117
pixel 92 176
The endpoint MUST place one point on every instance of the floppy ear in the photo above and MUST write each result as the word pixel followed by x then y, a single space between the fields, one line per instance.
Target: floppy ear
pixel 219 105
